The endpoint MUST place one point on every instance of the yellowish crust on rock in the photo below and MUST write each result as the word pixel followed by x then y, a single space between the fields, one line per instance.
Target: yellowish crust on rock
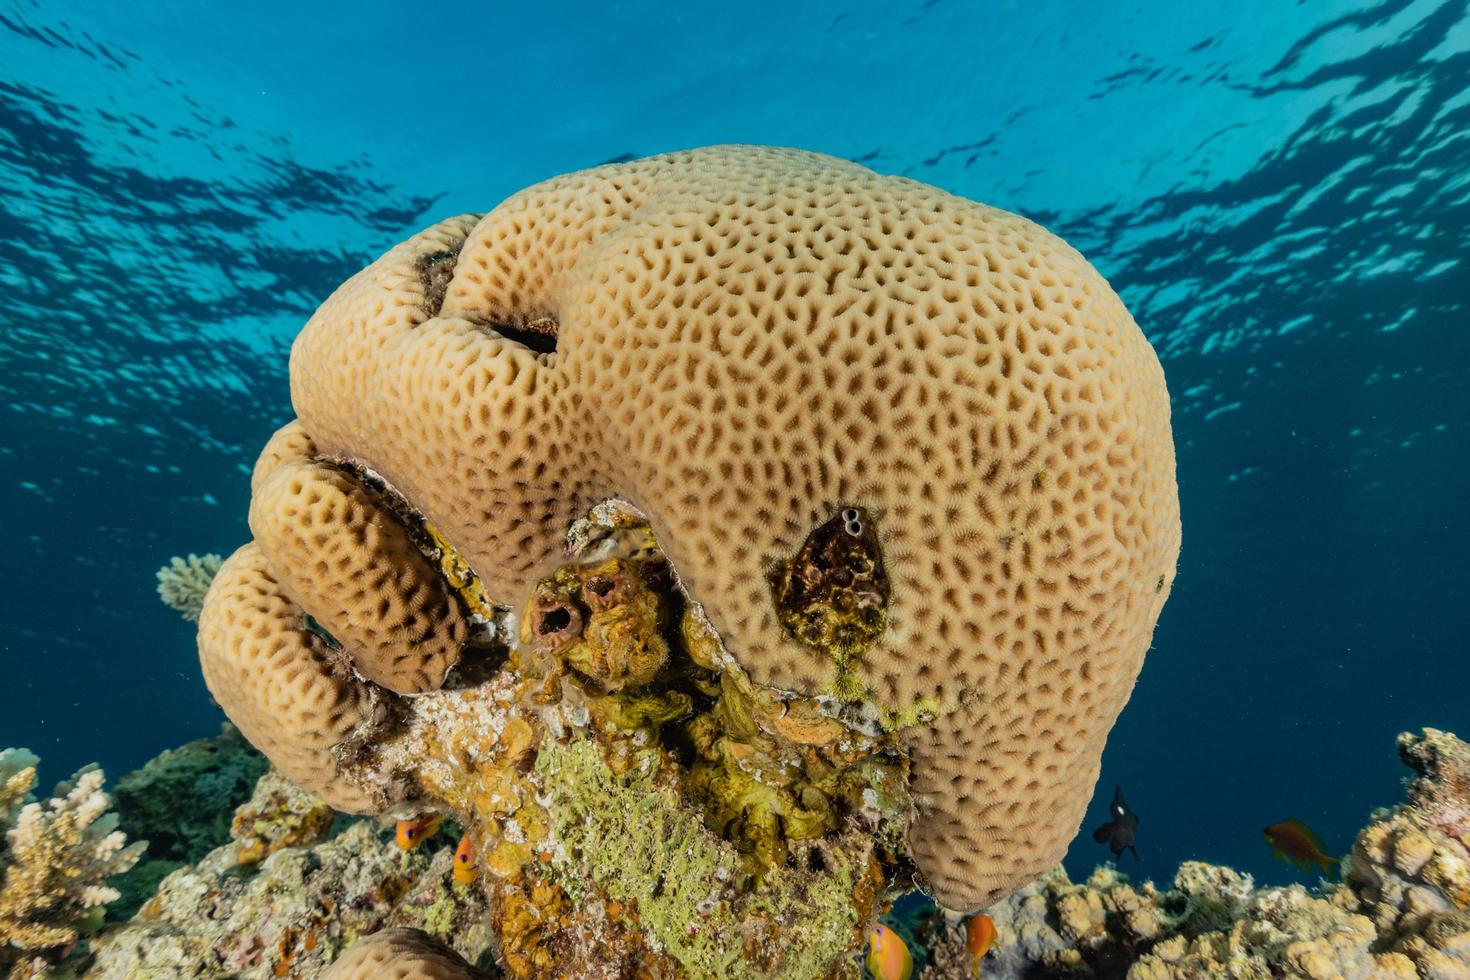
pixel 351 565
pixel 401 954
pixel 743 342
pixel 278 682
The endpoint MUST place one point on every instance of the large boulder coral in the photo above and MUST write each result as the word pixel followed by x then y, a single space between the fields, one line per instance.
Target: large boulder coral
pixel 908 456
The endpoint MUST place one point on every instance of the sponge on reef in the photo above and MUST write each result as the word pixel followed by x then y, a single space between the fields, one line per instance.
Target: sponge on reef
pixel 281 684
pixel 747 343
pixel 401 954
pixel 351 565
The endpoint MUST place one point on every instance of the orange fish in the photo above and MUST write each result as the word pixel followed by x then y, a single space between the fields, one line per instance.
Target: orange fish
pixel 411 833
pixel 1295 844
pixel 888 955
pixel 465 868
pixel 979 935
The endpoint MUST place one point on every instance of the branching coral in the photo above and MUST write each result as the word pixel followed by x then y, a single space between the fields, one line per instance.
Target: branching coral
pixel 183 582
pixel 56 860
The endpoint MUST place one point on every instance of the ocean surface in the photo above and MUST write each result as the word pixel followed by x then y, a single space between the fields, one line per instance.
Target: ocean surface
pixel 1280 192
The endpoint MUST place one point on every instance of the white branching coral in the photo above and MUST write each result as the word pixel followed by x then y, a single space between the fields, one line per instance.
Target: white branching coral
pixel 183 582
pixel 17 776
pixel 56 858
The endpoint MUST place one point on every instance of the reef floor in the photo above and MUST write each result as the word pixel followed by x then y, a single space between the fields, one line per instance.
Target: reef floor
pixel 285 885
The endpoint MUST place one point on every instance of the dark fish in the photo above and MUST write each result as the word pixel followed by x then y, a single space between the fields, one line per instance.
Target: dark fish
pixel 1118 832
pixel 1295 843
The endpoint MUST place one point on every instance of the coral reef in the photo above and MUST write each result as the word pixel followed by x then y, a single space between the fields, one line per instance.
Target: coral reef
pixel 183 582
pixel 606 902
pixel 895 650
pixel 278 815
pixel 293 913
pixel 1402 909
pixel 54 864
pixel 180 802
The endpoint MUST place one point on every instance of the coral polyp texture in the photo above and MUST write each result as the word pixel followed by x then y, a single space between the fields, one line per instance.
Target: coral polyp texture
pixel 832 510
pixel 401 954
pixel 282 684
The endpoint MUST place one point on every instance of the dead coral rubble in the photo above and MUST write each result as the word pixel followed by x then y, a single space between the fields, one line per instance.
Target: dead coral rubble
pixel 1402 909
pixel 293 913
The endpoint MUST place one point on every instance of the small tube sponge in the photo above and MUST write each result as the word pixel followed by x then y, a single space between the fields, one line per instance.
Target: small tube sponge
pixel 280 683
pixel 351 565
pixel 401 954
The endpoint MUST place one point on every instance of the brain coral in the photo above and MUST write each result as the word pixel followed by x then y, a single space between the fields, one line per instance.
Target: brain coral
pixel 355 569
pixel 902 448
pixel 279 683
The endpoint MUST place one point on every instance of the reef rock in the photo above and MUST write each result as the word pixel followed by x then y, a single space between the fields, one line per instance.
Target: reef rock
pixel 1401 911
pixel 180 802
pixel 293 913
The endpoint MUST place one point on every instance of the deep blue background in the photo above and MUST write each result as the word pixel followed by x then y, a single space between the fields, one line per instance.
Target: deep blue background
pixel 1281 194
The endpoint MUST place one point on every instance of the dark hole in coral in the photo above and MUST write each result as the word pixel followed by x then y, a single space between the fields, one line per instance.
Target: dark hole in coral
pixel 554 621
pixel 815 862
pixel 436 269
pixel 600 586
pixel 477 665
pixel 536 332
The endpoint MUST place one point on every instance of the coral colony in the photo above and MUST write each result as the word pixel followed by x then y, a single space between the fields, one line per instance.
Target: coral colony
pixel 691 556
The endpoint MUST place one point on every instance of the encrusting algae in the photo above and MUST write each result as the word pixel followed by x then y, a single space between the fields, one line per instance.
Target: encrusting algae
pixel 619 767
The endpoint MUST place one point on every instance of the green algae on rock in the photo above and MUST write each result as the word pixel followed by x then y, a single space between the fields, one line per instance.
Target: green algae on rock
pixel 631 836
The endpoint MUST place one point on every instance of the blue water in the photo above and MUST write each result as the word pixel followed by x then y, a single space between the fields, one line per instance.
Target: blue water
pixel 1280 193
